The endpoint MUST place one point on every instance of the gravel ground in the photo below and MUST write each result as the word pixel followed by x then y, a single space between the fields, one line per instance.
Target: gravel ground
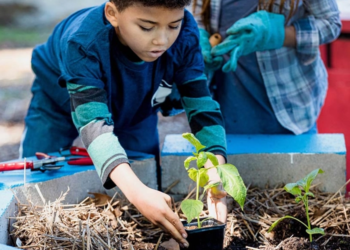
pixel 15 81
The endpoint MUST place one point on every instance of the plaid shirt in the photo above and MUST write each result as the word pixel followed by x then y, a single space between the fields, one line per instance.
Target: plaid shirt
pixel 296 78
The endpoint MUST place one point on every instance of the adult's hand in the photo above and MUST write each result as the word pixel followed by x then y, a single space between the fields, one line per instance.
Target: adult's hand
pixel 154 205
pixel 259 31
pixel 212 63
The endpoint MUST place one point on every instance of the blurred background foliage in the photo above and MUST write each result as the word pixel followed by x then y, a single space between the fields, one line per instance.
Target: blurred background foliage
pixel 24 24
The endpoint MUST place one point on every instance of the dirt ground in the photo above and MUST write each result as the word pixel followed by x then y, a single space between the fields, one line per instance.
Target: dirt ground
pixel 16 78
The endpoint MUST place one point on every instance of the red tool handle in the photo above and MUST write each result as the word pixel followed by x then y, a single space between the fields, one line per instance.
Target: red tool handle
pixel 15 166
pixel 81 161
pixel 78 151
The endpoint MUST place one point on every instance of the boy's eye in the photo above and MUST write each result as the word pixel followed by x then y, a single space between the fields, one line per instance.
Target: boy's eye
pixel 146 29
pixel 174 27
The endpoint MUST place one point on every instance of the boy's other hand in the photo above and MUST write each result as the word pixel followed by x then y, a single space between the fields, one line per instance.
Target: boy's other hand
pixel 217 205
pixel 216 197
pixel 155 206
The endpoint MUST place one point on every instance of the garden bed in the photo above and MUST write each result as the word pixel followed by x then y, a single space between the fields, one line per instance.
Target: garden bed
pixel 102 222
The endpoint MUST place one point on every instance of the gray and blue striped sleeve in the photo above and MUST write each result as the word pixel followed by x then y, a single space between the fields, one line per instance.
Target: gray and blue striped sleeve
pixel 93 120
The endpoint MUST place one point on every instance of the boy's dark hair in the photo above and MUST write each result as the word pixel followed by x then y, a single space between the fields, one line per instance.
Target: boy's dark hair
pixel 171 4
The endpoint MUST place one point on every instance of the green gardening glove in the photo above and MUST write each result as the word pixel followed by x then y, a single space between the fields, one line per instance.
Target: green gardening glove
pixel 211 63
pixel 259 31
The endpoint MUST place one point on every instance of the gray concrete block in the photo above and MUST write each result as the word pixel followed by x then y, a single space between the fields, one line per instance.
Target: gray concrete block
pixel 51 186
pixel 4 247
pixel 80 184
pixel 7 209
pixel 79 179
pixel 146 170
pixel 266 159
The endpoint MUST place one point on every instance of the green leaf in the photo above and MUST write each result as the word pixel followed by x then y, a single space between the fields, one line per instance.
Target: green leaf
pixel 315 230
pixel 207 187
pixel 293 188
pixel 193 140
pixel 211 186
pixel 307 180
pixel 298 199
pixel 232 182
pixel 309 194
pixel 280 219
pixel 188 161
pixel 302 183
pixel 203 176
pixel 212 158
pixel 202 159
pixel 191 209
pixel 310 177
pixel 192 173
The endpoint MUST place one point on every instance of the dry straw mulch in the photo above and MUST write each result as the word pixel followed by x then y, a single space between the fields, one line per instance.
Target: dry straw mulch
pixel 100 222
pixel 330 211
pixel 103 222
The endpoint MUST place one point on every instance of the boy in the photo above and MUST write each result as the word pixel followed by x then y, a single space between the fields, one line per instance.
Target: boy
pixel 118 62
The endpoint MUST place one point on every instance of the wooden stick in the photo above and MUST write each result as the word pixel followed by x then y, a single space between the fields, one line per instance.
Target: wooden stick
pixel 337 192
pixel 159 240
pixel 171 186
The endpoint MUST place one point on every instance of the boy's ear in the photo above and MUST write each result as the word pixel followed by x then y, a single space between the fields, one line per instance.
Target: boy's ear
pixel 111 13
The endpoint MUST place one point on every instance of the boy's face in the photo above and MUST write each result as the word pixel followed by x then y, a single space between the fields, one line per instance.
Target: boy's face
pixel 148 31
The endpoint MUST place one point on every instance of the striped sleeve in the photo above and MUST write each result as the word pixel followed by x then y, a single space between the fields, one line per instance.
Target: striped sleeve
pixel 93 120
pixel 204 116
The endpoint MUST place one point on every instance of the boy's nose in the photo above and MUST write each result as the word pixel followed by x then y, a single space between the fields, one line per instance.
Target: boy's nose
pixel 161 39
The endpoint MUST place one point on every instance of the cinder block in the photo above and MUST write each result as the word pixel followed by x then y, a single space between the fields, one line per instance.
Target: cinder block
pixel 7 209
pixel 79 179
pixel 265 159
pixel 4 247
pixel 80 184
pixel 50 185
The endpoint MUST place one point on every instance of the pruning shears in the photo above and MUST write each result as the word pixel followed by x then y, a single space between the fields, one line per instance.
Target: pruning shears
pixel 72 155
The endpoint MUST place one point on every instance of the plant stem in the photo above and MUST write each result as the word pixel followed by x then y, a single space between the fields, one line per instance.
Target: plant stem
pixel 306 202
pixel 197 196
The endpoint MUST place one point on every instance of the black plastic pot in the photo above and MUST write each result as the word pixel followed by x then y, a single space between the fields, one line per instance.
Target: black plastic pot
pixel 315 246
pixel 209 237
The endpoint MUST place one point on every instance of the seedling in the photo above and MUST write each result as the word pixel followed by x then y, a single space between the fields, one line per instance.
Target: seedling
pixel 301 190
pixel 229 175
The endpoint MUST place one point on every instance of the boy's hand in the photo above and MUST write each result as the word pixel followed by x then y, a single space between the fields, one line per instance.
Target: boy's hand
pixel 216 198
pixel 154 205
pixel 258 32
pixel 217 205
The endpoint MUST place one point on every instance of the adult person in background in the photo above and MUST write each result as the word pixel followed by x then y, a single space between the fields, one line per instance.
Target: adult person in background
pixel 269 77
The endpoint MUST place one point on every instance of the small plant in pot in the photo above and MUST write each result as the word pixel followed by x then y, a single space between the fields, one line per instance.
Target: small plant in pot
pixel 208 233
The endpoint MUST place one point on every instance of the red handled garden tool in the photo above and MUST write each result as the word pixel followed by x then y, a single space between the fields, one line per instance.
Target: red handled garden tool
pixel 72 155
pixel 76 156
